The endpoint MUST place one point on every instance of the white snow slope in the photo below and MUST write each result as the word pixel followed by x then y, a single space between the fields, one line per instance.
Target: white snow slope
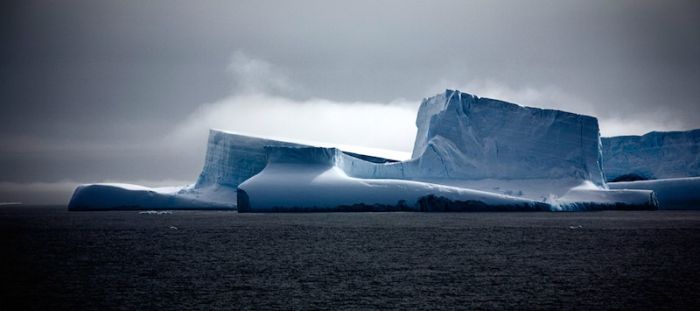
pixel 311 179
pixel 305 179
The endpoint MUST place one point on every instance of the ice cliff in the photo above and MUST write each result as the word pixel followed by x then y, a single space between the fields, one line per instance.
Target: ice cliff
pixel 490 145
pixel 491 154
pixel 462 136
pixel 232 158
pixel 470 154
pixel 652 156
pixel 229 160
pixel 667 163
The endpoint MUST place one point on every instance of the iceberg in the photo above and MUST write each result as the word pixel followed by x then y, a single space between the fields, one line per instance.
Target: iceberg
pixel 230 159
pixel 116 196
pixel 319 179
pixel 654 155
pixel 493 154
pixel 462 136
pixel 490 145
pixel 667 163
pixel 470 154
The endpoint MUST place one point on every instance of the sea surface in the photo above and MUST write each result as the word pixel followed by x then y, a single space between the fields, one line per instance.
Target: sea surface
pixel 54 259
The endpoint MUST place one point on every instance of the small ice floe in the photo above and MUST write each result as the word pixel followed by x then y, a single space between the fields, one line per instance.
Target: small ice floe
pixel 155 212
pixel 575 227
pixel 173 227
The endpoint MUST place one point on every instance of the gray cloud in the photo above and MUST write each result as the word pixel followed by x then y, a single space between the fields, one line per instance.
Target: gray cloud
pixel 97 89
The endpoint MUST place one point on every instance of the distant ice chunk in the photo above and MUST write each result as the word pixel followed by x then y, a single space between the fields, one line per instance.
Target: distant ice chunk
pixel 651 156
pixel 106 196
pixel 155 212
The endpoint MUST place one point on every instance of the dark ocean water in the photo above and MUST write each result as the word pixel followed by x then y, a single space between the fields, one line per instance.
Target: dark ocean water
pixel 54 259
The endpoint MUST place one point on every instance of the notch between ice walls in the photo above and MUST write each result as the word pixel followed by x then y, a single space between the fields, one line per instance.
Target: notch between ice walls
pixel 467 143
pixel 460 136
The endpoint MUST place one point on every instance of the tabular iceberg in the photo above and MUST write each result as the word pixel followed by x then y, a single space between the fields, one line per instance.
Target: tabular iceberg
pixel 229 160
pixel 652 156
pixel 667 163
pixel 464 142
pixel 470 154
pixel 109 196
pixel 462 136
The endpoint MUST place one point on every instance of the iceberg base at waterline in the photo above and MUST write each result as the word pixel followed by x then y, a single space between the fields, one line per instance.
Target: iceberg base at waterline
pixel 672 193
pixel 470 154
pixel 230 159
pixel 114 196
pixel 311 179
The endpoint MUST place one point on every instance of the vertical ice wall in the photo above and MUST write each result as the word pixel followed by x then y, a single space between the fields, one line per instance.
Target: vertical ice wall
pixel 462 136
pixel 653 155
pixel 233 158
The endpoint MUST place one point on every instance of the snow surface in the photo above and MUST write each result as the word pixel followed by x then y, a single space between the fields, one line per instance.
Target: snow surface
pixel 672 193
pixel 588 196
pixel 309 179
pixel 653 155
pixel 321 179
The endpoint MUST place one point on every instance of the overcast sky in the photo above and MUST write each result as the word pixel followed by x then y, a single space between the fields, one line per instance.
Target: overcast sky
pixel 125 90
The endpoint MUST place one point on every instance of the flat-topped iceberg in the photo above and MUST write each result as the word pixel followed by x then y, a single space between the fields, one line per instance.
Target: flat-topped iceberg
pixel 654 155
pixel 667 163
pixel 229 160
pixel 462 136
pixel 116 196
pixel 470 154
